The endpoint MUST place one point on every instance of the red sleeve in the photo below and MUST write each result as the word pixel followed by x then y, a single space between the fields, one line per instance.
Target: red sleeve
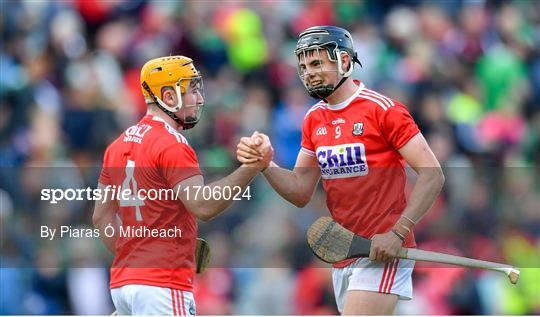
pixel 178 162
pixel 307 145
pixel 398 126
pixel 104 176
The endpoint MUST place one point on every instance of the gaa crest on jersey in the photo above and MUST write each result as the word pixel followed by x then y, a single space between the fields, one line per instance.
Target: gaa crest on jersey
pixel 321 131
pixel 358 128
pixel 342 161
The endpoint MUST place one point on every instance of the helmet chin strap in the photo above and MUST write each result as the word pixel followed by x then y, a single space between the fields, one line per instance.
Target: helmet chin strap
pixel 170 110
pixel 343 79
pixel 325 91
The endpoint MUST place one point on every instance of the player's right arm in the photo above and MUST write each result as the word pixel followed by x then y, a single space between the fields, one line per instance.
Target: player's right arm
pixel 206 209
pixel 180 167
pixel 296 186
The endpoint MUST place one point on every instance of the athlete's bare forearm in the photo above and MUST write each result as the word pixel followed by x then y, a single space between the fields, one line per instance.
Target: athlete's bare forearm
pixel 296 186
pixel 428 186
pixel 241 177
pixel 206 207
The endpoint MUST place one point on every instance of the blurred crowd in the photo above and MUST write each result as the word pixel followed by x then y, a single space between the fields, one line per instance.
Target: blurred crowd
pixel 469 71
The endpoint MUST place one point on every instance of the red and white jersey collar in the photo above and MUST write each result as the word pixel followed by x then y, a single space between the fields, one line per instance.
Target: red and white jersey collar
pixel 345 103
pixel 156 118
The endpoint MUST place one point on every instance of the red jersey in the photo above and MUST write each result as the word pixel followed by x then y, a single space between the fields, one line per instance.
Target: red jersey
pixel 147 157
pixel 356 144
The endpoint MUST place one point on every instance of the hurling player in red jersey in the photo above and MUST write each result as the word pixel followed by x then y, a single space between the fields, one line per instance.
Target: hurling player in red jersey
pixel 358 141
pixel 149 182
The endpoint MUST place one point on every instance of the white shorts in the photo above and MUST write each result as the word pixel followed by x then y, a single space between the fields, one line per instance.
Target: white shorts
pixel 365 275
pixel 152 300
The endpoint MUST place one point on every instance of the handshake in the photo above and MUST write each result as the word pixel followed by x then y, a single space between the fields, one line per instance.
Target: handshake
pixel 255 151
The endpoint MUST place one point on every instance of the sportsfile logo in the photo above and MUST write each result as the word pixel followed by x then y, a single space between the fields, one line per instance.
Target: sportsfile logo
pixel 342 161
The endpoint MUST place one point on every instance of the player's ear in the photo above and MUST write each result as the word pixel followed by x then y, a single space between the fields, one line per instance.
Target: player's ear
pixel 171 96
pixel 168 95
pixel 345 61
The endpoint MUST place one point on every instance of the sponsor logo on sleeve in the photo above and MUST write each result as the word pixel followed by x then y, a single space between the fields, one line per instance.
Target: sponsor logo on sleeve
pixel 342 161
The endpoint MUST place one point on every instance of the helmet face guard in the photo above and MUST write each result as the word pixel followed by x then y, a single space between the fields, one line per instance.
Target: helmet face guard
pixel 191 116
pixel 336 42
pixel 176 72
pixel 320 91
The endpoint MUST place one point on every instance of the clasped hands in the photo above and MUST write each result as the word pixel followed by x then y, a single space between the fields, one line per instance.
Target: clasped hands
pixel 255 151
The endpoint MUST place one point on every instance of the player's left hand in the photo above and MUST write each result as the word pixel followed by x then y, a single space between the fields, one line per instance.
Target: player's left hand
pixel 384 247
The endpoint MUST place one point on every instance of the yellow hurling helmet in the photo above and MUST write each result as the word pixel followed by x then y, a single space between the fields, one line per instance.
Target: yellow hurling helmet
pixel 173 71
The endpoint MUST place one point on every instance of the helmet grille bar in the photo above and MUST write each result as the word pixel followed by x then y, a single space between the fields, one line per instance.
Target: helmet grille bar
pixel 313 32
